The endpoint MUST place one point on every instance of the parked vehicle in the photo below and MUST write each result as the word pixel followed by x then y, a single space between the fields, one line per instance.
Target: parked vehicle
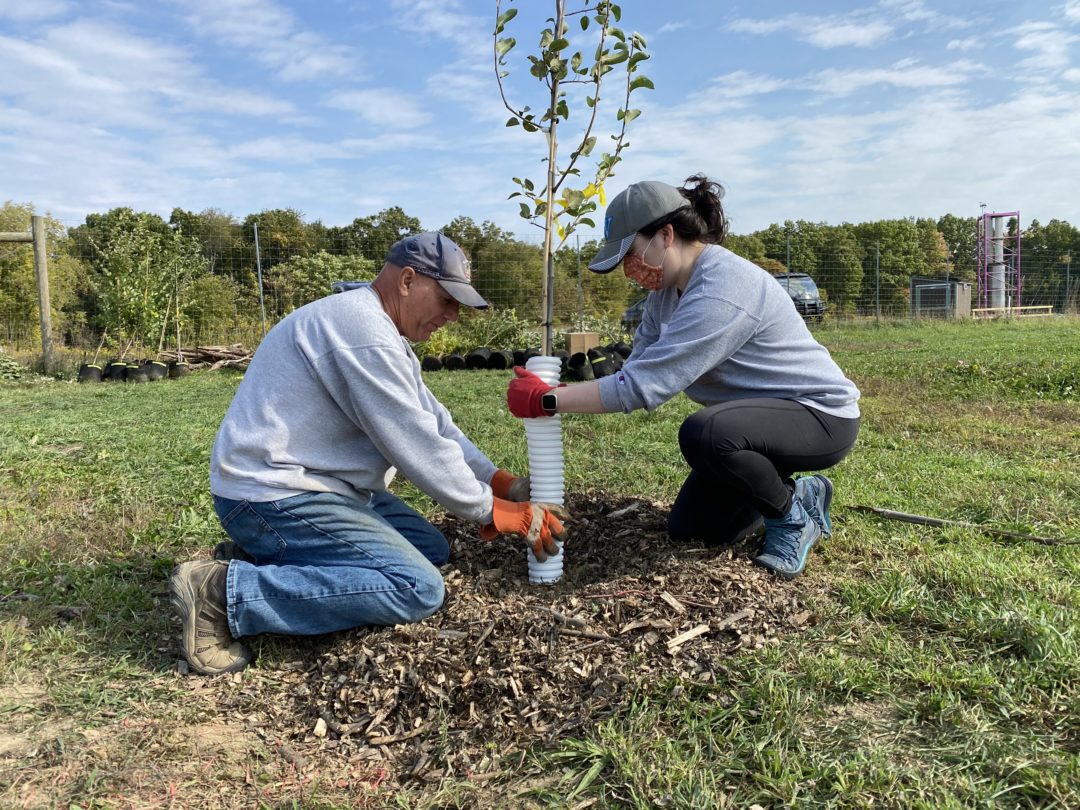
pixel 804 293
pixel 631 319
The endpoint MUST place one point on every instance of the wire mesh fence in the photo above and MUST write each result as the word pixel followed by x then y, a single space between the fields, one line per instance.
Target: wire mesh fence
pixel 129 284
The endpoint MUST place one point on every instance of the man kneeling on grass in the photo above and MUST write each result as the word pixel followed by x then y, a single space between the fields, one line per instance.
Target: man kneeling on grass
pixel 330 407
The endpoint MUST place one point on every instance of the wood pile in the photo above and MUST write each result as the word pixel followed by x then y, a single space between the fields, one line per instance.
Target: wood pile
pixel 212 357
pixel 505 665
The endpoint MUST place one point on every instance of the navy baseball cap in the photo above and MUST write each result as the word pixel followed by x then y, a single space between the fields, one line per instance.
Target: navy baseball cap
pixel 436 256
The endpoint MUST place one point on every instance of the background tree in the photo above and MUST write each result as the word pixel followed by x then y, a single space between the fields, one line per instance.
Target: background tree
pixel 18 283
pixel 555 202
pixel 373 236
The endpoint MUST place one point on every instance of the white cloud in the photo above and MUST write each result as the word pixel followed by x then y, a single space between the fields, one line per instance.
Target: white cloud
pixel 963 44
pixel 822 32
pixel 443 19
pixel 906 74
pixel 1072 75
pixel 272 36
pixel 32 10
pixel 1050 44
pixel 1072 10
pixel 386 108
pixel 671 27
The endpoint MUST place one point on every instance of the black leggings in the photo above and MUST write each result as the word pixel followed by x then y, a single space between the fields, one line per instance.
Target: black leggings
pixel 742 455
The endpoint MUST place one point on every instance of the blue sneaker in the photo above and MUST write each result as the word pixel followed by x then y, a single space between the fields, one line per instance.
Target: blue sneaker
pixel 815 493
pixel 788 541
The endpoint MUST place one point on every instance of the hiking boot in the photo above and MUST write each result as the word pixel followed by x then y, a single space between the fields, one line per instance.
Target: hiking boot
pixel 227 550
pixel 197 593
pixel 788 541
pixel 815 493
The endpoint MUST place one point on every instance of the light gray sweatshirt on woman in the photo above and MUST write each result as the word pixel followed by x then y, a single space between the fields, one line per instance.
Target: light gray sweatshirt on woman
pixel 333 401
pixel 734 333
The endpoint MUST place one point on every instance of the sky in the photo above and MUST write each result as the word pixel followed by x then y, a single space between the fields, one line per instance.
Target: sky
pixel 828 111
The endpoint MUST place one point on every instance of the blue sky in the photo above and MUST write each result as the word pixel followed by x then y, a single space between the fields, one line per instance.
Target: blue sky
pixel 830 111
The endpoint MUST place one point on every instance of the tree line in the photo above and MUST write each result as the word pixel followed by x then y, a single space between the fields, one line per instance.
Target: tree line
pixel 139 282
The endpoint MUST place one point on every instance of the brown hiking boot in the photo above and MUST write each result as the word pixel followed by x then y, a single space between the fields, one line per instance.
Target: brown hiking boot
pixel 197 593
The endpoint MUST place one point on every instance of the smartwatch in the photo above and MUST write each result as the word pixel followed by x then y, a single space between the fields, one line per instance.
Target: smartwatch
pixel 549 403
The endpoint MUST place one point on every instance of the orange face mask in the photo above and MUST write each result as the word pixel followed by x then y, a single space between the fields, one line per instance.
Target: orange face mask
pixel 647 276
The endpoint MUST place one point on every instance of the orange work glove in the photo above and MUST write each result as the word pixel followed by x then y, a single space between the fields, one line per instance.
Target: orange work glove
pixel 537 523
pixel 509 487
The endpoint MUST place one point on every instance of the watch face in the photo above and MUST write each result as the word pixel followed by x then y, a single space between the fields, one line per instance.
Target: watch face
pixel 548 403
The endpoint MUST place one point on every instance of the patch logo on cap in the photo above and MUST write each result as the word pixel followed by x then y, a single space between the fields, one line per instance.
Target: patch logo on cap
pixel 607 226
pixel 466 269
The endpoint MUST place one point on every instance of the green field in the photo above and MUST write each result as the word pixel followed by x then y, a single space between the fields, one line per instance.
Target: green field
pixel 942 668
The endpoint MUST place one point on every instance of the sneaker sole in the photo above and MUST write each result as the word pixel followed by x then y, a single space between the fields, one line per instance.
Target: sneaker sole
pixel 182 598
pixel 826 521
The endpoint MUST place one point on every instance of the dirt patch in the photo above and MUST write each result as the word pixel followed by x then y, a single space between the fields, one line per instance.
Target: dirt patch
pixel 506 665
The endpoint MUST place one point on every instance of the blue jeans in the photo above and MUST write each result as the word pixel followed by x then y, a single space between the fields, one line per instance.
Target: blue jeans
pixel 326 562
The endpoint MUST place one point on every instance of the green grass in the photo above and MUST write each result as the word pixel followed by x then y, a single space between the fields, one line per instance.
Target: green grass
pixel 942 668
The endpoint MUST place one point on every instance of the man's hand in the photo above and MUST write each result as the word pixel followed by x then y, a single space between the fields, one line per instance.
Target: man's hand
pixel 509 487
pixel 524 394
pixel 537 523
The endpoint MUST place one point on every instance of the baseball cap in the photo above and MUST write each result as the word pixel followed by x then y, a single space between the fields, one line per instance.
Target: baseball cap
pixel 434 255
pixel 632 209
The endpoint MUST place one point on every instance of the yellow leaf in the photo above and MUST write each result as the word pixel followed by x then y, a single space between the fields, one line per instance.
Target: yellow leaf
pixel 589 191
pixel 603 196
pixel 560 230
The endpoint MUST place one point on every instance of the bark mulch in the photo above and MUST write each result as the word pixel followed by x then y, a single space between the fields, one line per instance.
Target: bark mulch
pixel 506 665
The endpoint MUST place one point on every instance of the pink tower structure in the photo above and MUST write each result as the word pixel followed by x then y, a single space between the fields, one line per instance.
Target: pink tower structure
pixel 1000 281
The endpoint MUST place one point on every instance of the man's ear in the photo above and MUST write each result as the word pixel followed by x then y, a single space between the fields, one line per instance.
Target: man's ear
pixel 406 281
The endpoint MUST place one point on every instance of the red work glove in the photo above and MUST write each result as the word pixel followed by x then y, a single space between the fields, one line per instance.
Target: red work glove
pixel 509 487
pixel 537 523
pixel 524 393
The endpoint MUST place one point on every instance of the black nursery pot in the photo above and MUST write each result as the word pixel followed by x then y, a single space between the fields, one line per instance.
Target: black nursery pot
pixel 564 359
pixel 519 357
pixel 500 360
pixel 178 369
pixel 89 372
pixel 477 358
pixel 431 363
pixel 116 371
pixel 622 349
pixel 137 373
pixel 601 363
pixel 156 370
pixel 453 362
pixel 578 368
pixel 530 354
pixel 614 356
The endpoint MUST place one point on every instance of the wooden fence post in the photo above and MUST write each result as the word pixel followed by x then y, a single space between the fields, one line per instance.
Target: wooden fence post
pixel 41 271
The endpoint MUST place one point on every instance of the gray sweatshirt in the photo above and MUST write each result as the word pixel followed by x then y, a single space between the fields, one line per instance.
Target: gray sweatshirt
pixel 333 401
pixel 734 333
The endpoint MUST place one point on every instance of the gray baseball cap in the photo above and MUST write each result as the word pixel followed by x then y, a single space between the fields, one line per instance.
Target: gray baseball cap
pixel 632 209
pixel 436 256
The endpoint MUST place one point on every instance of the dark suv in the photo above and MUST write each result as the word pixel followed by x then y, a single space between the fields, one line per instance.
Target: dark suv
pixel 804 293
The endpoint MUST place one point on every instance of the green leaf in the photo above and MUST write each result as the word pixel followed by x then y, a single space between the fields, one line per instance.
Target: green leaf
pixel 546 38
pixel 587 147
pixel 529 127
pixel 616 12
pixel 584 22
pixel 630 116
pixel 637 57
pixel 562 110
pixel 526 212
pixel 613 58
pixel 590 101
pixel 575 61
pixel 512 121
pixel 503 46
pixel 529 184
pixel 617 33
pixel 559 44
pixel 642 81
pixel 504 18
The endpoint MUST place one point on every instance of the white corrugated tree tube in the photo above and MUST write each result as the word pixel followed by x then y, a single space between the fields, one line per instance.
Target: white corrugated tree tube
pixel 544 437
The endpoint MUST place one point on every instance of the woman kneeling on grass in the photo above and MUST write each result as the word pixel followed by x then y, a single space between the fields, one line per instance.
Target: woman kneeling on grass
pixel 721 329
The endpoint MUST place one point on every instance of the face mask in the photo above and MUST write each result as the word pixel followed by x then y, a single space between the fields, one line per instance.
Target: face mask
pixel 645 275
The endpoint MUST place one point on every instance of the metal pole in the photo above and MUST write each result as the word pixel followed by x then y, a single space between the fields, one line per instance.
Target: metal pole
pixel 877 278
pixel 1068 284
pixel 787 238
pixel 258 270
pixel 41 271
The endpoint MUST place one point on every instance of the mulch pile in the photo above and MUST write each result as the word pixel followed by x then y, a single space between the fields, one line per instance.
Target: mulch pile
pixel 506 664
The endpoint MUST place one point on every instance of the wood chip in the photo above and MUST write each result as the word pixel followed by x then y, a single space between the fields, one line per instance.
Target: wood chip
pixel 682 638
